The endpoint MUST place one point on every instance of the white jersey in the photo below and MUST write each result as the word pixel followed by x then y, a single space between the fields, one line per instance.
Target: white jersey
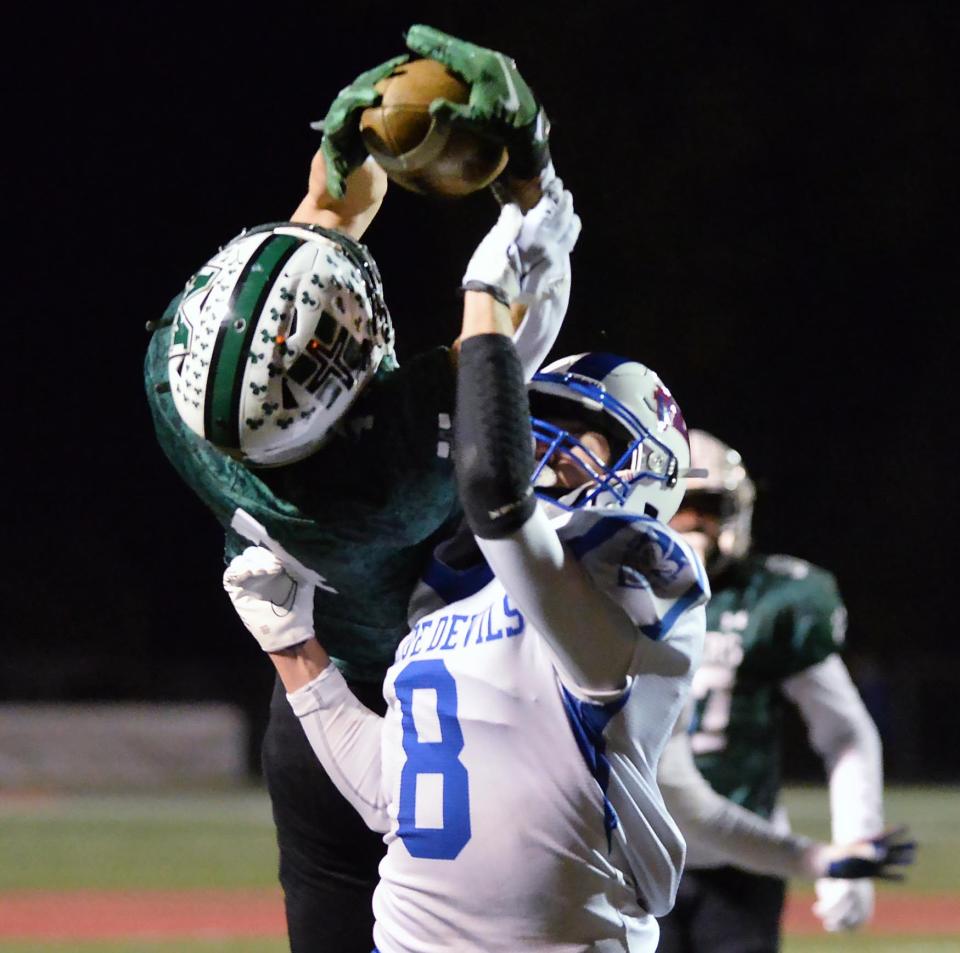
pixel 521 813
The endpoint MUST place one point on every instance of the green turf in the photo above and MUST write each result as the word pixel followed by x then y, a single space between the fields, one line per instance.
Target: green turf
pixel 857 943
pixel 227 840
pixel 179 841
pixel 931 814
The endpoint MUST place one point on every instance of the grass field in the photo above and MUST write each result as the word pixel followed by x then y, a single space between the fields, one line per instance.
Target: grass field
pixel 855 943
pixel 185 843
pixel 107 841
pixel 932 815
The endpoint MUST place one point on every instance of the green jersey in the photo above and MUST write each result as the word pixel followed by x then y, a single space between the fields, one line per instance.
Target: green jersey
pixel 363 511
pixel 770 617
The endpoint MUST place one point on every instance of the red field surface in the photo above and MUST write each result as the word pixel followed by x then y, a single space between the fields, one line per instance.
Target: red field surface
pixel 144 914
pixel 155 914
pixel 900 913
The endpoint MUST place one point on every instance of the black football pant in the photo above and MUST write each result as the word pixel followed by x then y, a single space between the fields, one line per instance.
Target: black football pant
pixel 724 910
pixel 328 856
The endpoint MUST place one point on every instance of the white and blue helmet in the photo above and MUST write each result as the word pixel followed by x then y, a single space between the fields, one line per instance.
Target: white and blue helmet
pixel 629 404
pixel 274 338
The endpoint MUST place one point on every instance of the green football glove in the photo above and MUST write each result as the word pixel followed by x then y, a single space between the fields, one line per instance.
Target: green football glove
pixel 342 146
pixel 501 106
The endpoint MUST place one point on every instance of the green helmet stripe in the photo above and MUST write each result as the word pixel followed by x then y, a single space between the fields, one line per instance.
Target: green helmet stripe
pixel 221 423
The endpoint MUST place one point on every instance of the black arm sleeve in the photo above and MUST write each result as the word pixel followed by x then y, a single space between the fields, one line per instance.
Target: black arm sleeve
pixel 494 450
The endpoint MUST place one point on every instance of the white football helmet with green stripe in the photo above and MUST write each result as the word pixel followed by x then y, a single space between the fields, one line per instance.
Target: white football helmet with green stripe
pixel 274 338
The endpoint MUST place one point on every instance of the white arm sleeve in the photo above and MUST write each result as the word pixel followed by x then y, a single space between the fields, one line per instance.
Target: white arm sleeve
pixel 717 828
pixel 539 329
pixel 547 237
pixel 555 593
pixel 592 637
pixel 843 733
pixel 345 736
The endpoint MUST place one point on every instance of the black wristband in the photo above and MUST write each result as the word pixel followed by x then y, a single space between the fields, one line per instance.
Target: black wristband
pixel 491 290
pixel 494 458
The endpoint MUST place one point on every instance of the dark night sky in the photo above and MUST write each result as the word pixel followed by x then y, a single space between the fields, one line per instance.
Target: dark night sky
pixel 764 195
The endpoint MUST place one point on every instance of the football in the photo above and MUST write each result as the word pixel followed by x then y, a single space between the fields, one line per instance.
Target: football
pixel 415 150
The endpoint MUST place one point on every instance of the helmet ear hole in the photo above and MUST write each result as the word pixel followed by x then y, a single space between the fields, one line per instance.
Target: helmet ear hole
pixel 289 401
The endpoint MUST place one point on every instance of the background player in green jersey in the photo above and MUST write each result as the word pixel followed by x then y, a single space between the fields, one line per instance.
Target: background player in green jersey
pixel 276 396
pixel 775 625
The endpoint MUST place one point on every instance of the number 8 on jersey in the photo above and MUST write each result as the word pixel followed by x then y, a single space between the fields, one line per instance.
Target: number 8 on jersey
pixel 434 811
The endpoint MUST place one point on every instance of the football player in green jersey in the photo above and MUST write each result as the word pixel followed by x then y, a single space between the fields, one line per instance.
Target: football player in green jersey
pixel 276 396
pixel 775 625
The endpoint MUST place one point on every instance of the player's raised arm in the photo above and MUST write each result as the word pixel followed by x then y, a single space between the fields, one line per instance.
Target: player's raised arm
pixel 346 187
pixel 276 606
pixel 364 191
pixel 494 463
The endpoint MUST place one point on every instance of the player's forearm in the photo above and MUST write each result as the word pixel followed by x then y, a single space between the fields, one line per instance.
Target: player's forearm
pixel 723 830
pixel 483 314
pixel 492 423
pixel 717 828
pixel 747 841
pixel 346 738
pixel 842 731
pixel 487 314
pixel 352 214
pixel 856 787
pixel 300 664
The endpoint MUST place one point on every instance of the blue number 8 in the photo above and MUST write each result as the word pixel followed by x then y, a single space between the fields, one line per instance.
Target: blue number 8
pixel 433 758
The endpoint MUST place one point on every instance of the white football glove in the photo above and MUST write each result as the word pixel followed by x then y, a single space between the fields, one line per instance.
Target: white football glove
pixel 547 236
pixel 276 607
pixel 843 904
pixel 495 266
pixel 523 256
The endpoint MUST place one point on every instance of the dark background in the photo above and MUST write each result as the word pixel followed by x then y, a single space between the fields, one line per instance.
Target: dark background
pixel 765 192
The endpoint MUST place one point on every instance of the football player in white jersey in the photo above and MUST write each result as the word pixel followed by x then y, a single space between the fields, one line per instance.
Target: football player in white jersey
pixel 514 774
